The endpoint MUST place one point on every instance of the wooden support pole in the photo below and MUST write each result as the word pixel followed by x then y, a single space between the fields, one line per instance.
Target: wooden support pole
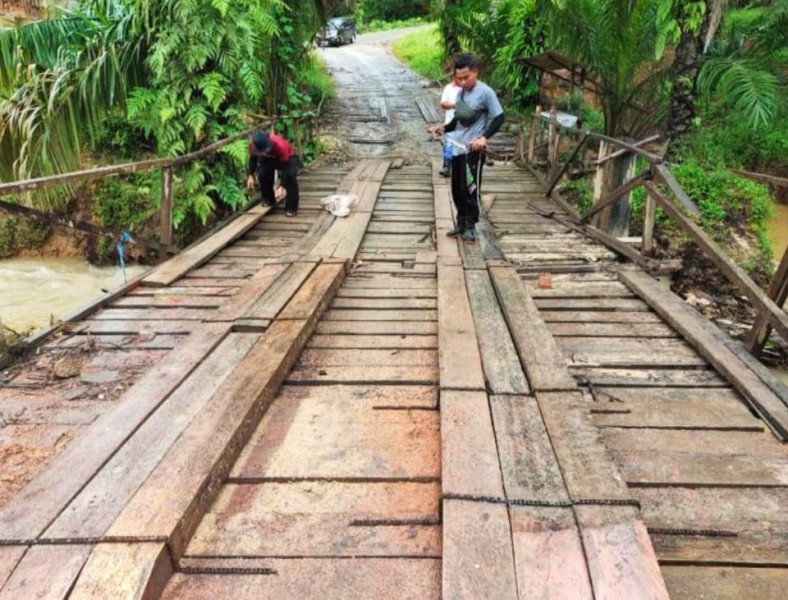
pixel 614 196
pixel 648 224
pixel 618 153
pixel 534 133
pixel 166 206
pixel 560 173
pixel 778 290
pixel 774 314
pixel 551 137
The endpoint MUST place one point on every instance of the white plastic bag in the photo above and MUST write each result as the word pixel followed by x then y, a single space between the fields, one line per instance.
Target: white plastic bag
pixel 339 205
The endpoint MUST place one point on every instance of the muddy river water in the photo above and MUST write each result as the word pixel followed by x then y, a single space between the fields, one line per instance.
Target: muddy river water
pixel 32 290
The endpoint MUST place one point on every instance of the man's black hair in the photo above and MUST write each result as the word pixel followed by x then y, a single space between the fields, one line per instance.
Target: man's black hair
pixel 466 61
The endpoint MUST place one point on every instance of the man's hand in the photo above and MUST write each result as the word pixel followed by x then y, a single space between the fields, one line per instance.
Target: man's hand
pixel 435 129
pixel 250 182
pixel 479 144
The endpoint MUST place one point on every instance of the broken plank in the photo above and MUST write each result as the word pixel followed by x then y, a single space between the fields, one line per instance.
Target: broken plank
pixel 249 293
pixel 279 293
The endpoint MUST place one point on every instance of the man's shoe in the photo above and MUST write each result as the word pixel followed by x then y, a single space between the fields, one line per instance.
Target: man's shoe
pixel 458 229
pixel 267 203
pixel 469 235
pixel 446 169
pixel 290 213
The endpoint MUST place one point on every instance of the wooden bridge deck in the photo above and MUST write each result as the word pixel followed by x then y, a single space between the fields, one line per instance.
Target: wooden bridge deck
pixel 363 406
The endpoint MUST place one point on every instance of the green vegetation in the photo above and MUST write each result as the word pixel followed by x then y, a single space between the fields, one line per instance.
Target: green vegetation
pixel 157 79
pixel 17 234
pixel 378 25
pixel 423 52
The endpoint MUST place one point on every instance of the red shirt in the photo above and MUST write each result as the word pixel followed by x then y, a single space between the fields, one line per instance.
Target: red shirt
pixel 280 151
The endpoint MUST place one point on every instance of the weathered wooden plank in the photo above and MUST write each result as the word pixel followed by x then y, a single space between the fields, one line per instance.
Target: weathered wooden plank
pixel 548 554
pixel 377 327
pixel 469 458
pixel 758 443
pixel 478 560
pixel 588 468
pixel 744 549
pixel 724 583
pixel 153 314
pixel 387 293
pixel 701 408
pixel 316 357
pixel 374 341
pixel 358 281
pixel 339 436
pixel 323 283
pixel 699 469
pixel 329 579
pixel 588 316
pixel 358 314
pixel 9 559
pixel 46 572
pixel 249 293
pixel 715 508
pixel 172 500
pixel 502 369
pixel 180 301
pixel 99 503
pixel 385 303
pixel 277 296
pixel 211 292
pixel 322 518
pixel 649 377
pixel 614 330
pixel 460 362
pixel 611 304
pixel 710 342
pixel 393 375
pixel 538 351
pixel 178 266
pixel 139 570
pixel 41 500
pixel 621 559
pixel 530 468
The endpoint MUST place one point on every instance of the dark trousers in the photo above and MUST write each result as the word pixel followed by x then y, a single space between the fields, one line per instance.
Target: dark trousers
pixel 288 171
pixel 467 203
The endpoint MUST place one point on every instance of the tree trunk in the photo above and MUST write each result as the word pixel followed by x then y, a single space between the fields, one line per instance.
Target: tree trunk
pixel 451 42
pixel 686 67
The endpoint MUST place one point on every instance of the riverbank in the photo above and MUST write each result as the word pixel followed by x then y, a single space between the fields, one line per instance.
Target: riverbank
pixel 36 291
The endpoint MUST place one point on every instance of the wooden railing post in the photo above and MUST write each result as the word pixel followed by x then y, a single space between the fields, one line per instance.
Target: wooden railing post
pixel 552 135
pixel 778 291
pixel 166 206
pixel 534 133
pixel 648 224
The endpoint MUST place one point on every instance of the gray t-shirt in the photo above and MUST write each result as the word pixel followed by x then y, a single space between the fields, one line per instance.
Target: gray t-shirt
pixel 483 101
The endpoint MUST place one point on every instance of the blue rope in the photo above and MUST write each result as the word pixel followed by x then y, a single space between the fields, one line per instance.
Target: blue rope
pixel 124 238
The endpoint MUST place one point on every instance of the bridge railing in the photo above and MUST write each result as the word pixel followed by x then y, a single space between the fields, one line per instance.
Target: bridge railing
pixel 608 218
pixel 165 164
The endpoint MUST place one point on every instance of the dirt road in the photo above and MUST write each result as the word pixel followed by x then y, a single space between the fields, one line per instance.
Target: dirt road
pixel 376 111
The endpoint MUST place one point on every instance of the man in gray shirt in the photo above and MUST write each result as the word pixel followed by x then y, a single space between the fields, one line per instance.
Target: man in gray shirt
pixel 478 116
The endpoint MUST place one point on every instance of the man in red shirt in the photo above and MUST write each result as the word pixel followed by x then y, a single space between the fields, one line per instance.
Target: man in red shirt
pixel 267 154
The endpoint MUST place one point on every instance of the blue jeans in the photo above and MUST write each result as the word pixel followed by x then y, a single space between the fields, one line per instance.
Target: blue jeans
pixel 447 149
